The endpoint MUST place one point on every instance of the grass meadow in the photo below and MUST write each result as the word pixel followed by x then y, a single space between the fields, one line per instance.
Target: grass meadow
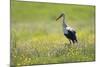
pixel 37 38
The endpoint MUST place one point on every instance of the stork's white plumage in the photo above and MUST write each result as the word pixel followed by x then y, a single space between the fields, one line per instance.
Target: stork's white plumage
pixel 69 28
pixel 69 32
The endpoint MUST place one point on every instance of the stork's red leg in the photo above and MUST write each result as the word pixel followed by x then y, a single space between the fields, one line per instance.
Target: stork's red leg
pixel 69 41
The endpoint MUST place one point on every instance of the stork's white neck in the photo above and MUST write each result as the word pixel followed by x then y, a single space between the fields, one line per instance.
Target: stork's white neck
pixel 64 24
pixel 63 18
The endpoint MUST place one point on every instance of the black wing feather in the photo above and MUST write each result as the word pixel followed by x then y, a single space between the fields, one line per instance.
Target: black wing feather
pixel 71 35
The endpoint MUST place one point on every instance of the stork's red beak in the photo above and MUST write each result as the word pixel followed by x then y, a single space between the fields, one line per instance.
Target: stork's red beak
pixel 59 17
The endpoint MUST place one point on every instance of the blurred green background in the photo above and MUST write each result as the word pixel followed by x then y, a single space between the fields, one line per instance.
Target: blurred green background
pixel 37 38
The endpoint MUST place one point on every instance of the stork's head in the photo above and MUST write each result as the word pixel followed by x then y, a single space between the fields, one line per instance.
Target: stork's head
pixel 61 15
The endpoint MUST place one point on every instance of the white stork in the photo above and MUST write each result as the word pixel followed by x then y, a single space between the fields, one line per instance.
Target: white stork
pixel 69 32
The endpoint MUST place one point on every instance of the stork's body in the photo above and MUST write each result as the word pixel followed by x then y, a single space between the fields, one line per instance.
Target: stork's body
pixel 69 32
